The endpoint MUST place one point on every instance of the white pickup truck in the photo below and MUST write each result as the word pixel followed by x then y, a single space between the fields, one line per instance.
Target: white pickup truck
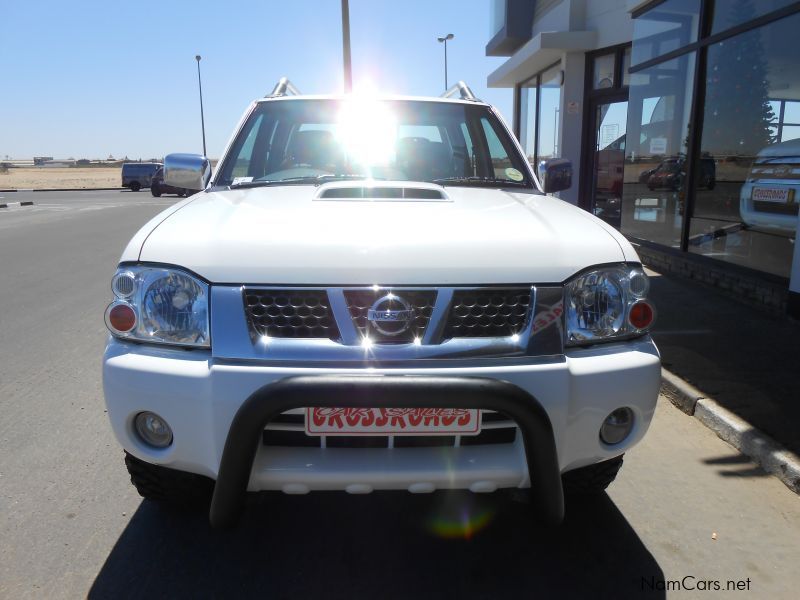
pixel 376 293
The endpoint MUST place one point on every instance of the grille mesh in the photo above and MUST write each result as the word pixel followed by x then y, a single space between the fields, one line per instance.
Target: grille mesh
pixel 360 301
pixel 488 313
pixel 290 314
pixel 776 207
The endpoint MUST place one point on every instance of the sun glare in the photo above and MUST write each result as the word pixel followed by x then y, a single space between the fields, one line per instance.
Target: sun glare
pixel 367 131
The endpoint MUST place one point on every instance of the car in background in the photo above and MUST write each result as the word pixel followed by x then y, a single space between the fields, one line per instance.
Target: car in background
pixel 644 176
pixel 769 196
pixel 158 187
pixel 672 171
pixel 138 175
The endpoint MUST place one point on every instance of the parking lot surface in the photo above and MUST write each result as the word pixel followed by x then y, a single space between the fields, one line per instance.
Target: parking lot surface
pixel 686 511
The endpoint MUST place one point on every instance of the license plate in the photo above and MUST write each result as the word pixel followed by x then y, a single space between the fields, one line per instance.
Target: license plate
pixel 782 195
pixel 394 421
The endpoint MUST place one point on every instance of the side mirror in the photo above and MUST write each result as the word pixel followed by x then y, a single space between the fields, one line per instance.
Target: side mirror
pixel 189 171
pixel 555 174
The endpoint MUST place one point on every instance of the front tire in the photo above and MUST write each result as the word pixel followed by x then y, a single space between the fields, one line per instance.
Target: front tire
pixel 155 190
pixel 136 186
pixel 169 486
pixel 592 479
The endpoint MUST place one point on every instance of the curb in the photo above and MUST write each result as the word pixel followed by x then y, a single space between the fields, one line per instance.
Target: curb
pixel 114 189
pixel 753 443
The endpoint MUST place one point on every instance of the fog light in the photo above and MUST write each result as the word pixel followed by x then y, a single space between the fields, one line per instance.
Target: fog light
pixel 617 426
pixel 153 430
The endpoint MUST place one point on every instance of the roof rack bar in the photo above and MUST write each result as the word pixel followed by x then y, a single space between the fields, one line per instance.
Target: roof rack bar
pixel 463 90
pixel 284 87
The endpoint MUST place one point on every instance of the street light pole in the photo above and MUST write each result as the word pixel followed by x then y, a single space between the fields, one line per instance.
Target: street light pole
pixel 348 69
pixel 444 39
pixel 202 118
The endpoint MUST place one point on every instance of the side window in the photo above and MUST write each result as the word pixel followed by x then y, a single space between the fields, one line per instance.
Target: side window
pixel 242 165
pixel 498 153
pixel 468 152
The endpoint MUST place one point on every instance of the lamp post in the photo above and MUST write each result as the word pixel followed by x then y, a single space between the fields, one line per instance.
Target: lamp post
pixel 444 39
pixel 202 118
pixel 348 68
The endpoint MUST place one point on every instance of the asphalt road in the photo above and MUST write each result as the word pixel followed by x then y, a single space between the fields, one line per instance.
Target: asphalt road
pixel 686 508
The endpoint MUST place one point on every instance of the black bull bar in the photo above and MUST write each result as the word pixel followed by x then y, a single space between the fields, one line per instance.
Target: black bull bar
pixel 386 391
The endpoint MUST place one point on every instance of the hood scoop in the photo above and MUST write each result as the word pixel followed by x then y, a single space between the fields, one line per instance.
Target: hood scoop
pixel 382 191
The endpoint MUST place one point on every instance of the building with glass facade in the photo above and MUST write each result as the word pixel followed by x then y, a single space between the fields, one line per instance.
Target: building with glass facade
pixel 681 119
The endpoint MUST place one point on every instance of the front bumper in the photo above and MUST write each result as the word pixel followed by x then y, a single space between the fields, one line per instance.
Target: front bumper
pixel 386 391
pixel 199 396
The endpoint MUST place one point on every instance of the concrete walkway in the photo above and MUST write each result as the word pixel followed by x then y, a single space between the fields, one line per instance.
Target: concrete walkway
pixel 743 359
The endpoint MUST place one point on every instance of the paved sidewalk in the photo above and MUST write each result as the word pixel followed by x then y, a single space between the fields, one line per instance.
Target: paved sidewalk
pixel 746 360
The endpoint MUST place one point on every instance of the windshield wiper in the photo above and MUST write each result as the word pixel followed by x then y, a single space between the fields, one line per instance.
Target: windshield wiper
pixel 475 180
pixel 313 179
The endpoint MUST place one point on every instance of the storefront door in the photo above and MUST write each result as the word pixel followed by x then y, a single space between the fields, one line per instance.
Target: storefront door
pixel 608 119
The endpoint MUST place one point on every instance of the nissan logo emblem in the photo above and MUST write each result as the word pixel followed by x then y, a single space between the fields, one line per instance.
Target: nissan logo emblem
pixel 390 315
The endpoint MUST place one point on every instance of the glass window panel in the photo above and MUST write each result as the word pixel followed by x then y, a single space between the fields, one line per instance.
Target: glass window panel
pixel 428 132
pixel 241 166
pixel 498 19
pixel 609 161
pixel 549 109
pixel 748 185
pixel 666 27
pixel 791 112
pixel 498 152
pixel 604 71
pixel 527 117
pixel 626 67
pixel 728 13
pixel 655 151
pixel 790 132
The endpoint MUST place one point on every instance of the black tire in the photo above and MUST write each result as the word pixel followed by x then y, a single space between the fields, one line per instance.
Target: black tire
pixel 591 479
pixel 168 486
pixel 155 189
pixel 135 186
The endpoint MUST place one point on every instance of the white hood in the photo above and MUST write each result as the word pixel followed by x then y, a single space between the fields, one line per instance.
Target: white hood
pixel 282 235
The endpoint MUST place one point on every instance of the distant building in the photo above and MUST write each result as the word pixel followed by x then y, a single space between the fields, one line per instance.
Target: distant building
pixel 40 160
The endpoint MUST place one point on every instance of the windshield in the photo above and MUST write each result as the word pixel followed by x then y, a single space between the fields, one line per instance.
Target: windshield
pixel 300 141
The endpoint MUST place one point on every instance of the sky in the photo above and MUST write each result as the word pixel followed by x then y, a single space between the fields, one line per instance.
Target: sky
pixel 91 79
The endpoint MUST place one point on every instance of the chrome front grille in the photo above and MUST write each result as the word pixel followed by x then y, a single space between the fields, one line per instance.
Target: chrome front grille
pixel 488 312
pixel 331 324
pixel 289 313
pixel 288 431
pixel 359 303
pixel 776 207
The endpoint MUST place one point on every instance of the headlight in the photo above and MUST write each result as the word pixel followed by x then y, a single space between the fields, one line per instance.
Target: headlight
pixel 158 305
pixel 606 304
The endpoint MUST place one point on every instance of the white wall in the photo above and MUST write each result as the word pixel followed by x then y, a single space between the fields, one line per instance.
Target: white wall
pixel 611 20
